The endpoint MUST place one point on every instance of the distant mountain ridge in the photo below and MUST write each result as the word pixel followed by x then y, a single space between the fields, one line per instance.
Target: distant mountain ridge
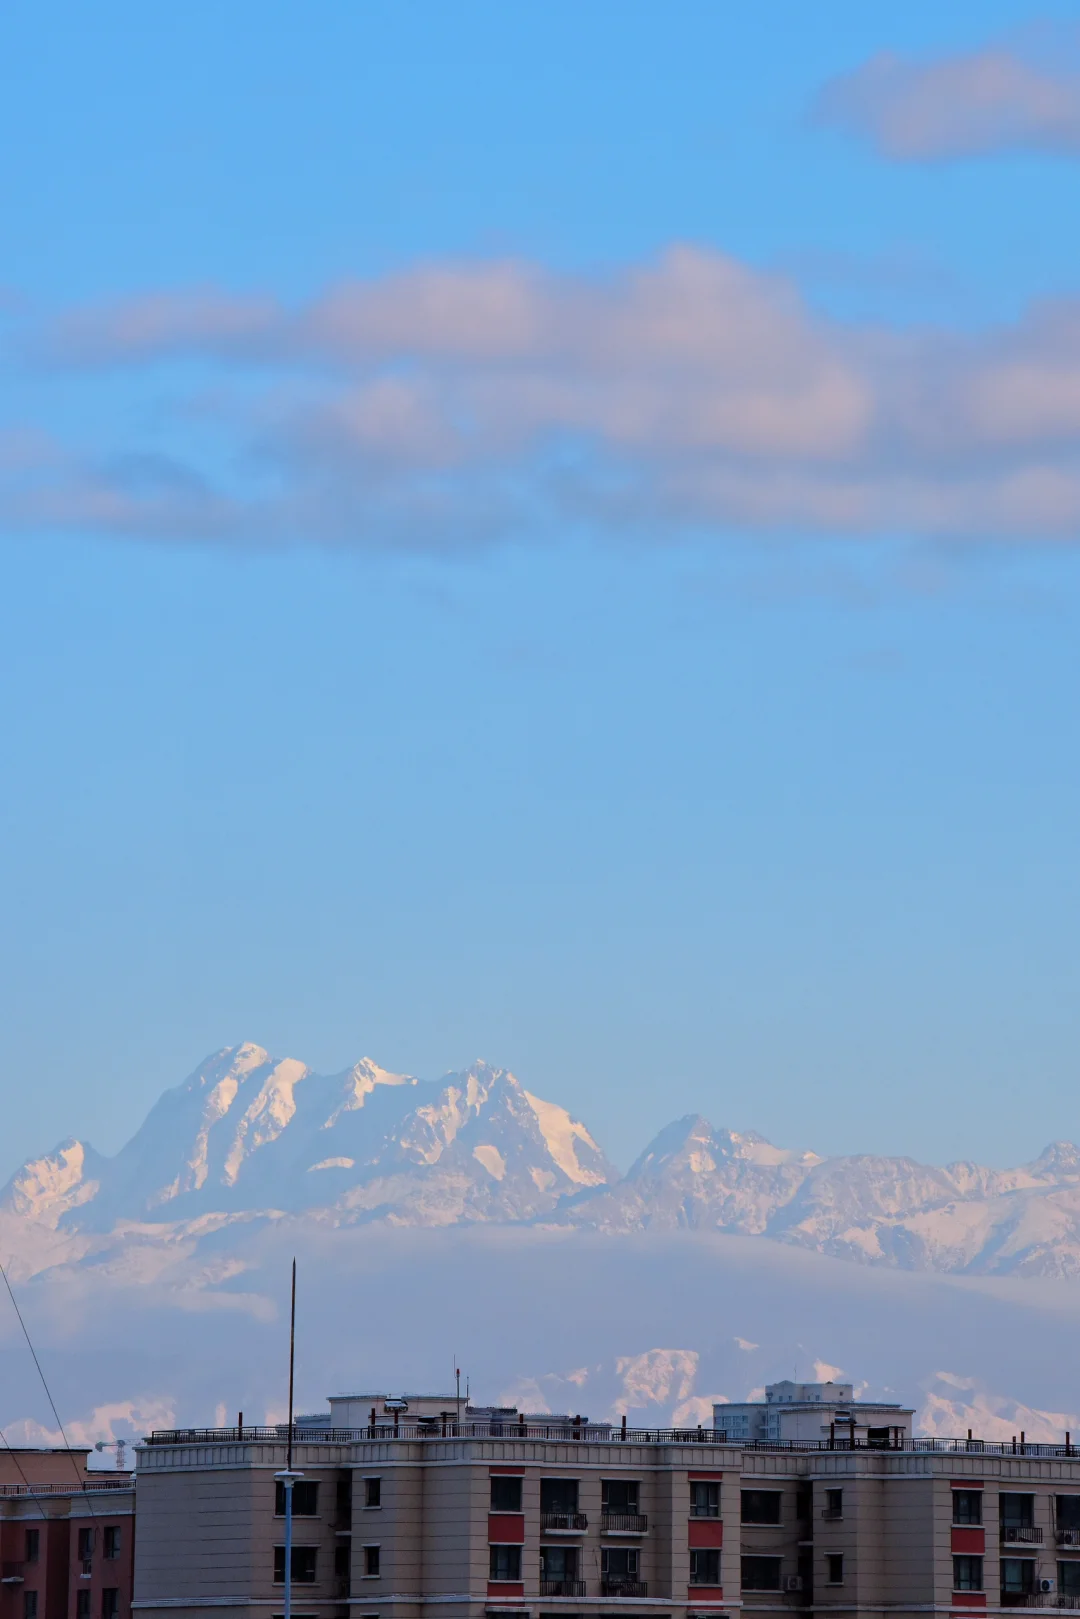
pixel 250 1136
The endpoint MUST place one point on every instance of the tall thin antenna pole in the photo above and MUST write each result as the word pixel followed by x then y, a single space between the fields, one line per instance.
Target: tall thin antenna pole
pixel 289 1478
pixel 292 1361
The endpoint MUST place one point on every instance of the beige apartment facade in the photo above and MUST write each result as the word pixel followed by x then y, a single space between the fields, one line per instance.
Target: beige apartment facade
pixel 469 1519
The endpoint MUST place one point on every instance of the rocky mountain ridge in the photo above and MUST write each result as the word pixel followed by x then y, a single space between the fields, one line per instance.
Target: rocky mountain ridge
pixel 248 1136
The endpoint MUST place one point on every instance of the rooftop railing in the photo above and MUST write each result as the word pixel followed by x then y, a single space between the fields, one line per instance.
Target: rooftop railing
pixel 121 1481
pixel 585 1433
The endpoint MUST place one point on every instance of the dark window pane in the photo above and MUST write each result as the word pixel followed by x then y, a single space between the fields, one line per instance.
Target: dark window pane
pixel 705 1567
pixel 619 1563
pixel 110 1602
pixel 1068 1511
pixel 505 1494
pixel 967 1573
pixel 760 1574
pixel 1018 1511
pixel 761 1506
pixel 82 1605
pixel 373 1492
pixel 33 1545
pixel 504 1563
pixel 29 1605
pixel 967 1506
pixel 1018 1575
pixel 834 1566
pixel 1069 1579
pixel 305 1498
pixel 558 1495
pixel 620 1494
pixel 371 1560
pixel 558 1562
pixel 704 1499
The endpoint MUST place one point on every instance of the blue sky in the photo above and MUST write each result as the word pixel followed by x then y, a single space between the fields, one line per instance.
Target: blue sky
pixel 545 532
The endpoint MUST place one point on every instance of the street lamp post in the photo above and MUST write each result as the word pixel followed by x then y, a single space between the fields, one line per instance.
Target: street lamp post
pixel 289 1477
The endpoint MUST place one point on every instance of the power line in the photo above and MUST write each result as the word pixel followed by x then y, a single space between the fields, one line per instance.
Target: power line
pixel 48 1391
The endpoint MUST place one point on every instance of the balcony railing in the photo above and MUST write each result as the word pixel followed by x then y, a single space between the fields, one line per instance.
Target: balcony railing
pixel 623 1523
pixel 562 1588
pixel 11 1573
pixel 1038 1599
pixel 623 1588
pixel 1068 1537
pixel 573 1521
pixel 832 1514
pixel 1019 1534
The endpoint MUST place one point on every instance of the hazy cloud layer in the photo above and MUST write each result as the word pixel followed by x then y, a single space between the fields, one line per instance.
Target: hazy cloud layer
pixel 991 100
pixel 449 405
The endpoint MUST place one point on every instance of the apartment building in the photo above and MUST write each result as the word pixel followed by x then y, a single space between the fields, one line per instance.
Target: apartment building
pixel 67 1537
pixel 503 1513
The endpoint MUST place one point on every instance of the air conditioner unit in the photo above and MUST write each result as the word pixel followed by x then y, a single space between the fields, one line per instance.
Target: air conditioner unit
pixel 1047 1585
pixel 793 1582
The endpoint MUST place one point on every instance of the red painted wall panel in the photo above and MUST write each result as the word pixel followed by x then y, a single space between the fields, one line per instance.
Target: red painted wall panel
pixel 705 1532
pixel 969 1539
pixel 506 1528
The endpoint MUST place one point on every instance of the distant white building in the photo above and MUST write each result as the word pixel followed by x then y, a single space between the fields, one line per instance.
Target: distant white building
pixel 804 1413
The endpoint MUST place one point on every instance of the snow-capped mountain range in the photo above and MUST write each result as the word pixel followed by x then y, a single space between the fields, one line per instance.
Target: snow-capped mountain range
pixel 248 1137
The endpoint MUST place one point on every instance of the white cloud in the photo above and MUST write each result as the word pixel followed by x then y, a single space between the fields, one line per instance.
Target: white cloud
pixel 744 1343
pixel 450 405
pixel 990 100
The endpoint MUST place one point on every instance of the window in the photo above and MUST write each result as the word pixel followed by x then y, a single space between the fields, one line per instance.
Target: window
pixel 620 1496
pixel 834 1503
pixel 1018 1575
pixel 86 1544
pixel 1017 1511
pixel 303 1565
pixel 371 1562
pixel 305 1498
pixel 834 1568
pixel 704 1499
pixel 619 1563
pixel 29 1605
pixel 558 1562
pixel 33 1545
pixel 758 1573
pixel 559 1495
pixel 373 1492
pixel 110 1602
pixel 504 1563
pixel 343 1502
pixel 761 1506
pixel 1069 1579
pixel 967 1573
pixel 967 1508
pixel 705 1566
pixel 82 1604
pixel 110 1541
pixel 505 1494
pixel 1068 1512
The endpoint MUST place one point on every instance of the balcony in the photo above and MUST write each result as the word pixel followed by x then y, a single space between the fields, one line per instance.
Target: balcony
pixel 1044 1599
pixel 832 1514
pixel 11 1573
pixel 623 1523
pixel 562 1588
pixel 1018 1534
pixel 574 1523
pixel 623 1588
pixel 1068 1537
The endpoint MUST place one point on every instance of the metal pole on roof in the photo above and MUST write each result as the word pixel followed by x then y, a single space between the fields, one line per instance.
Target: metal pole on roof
pixel 288 1478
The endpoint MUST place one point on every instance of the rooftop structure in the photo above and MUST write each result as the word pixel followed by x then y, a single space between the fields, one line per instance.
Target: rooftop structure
pixel 805 1413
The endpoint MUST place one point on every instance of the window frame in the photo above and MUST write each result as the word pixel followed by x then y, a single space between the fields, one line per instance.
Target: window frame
pixel 498 1549
pixel 968 1560
pixel 761 1557
pixel 1030 1563
pixel 372 1487
pixel 632 1486
pixel 372 1573
pixel 299 1576
pixel 305 1489
pixel 32 1546
pixel 711 1489
pixel 972 1498
pixel 1074 1566
pixel 502 1481
pixel 111 1542
pixel 832 1560
pixel 704 1557
pixel 762 1495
